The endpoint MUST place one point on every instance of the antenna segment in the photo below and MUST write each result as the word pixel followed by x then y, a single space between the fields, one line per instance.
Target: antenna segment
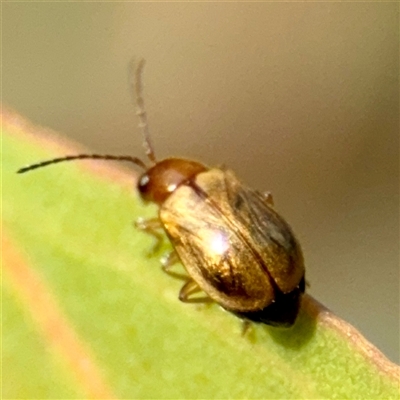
pixel 135 74
pixel 41 164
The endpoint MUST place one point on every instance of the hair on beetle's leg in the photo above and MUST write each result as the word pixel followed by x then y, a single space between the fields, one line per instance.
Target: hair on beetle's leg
pixel 190 288
pixel 168 261
pixel 268 198
pixel 152 227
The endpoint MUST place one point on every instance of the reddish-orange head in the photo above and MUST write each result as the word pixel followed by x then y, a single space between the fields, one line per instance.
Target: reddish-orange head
pixel 160 180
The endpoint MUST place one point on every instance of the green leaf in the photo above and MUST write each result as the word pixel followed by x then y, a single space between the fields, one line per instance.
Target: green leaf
pixel 87 313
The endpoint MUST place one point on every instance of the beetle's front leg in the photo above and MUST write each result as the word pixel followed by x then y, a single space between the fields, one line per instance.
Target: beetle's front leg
pixel 151 226
pixel 190 288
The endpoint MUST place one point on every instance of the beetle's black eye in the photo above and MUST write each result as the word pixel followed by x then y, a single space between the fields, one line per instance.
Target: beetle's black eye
pixel 143 185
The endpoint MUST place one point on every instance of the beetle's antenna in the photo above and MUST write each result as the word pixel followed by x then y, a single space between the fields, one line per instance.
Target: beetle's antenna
pixel 41 164
pixel 136 84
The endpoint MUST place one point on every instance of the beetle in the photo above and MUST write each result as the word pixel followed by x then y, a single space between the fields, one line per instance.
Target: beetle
pixel 233 244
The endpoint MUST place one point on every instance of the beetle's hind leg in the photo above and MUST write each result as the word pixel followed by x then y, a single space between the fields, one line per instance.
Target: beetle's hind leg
pixel 151 226
pixel 190 288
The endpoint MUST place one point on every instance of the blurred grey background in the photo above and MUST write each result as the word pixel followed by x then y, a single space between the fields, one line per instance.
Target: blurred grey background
pixel 301 99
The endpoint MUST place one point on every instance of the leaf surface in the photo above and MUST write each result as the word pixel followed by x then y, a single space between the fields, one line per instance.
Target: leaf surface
pixel 88 314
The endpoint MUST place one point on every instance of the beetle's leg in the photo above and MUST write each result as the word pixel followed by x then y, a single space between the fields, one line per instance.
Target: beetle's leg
pixel 152 227
pixel 168 261
pixel 190 288
pixel 246 326
pixel 268 198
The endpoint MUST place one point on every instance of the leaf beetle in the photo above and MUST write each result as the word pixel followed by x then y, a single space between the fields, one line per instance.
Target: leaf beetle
pixel 232 243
